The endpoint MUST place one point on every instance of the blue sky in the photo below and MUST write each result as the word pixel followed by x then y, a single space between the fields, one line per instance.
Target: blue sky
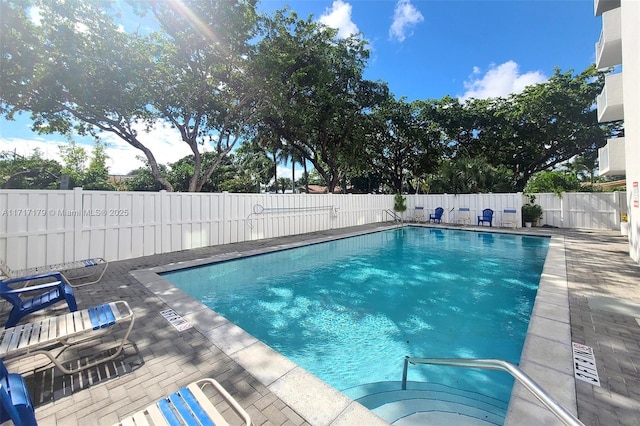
pixel 421 48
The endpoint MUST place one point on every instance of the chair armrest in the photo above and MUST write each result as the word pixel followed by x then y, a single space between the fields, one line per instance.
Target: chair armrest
pixel 55 275
pixel 33 288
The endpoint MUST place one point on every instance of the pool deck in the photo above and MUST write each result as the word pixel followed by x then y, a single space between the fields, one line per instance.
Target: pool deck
pixel 590 294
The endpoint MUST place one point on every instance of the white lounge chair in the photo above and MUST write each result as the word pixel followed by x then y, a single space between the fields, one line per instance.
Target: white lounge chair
pixel 96 267
pixel 418 214
pixel 52 336
pixel 510 218
pixel 464 216
pixel 189 405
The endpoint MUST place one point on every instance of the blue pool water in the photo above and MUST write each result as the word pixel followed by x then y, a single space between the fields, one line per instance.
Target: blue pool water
pixel 350 310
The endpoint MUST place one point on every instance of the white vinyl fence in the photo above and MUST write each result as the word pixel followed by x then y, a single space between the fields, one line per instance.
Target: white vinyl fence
pixel 47 227
pixel 595 210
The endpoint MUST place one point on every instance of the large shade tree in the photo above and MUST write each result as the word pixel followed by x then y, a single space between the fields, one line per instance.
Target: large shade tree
pixel 399 141
pixel 73 68
pixel 317 93
pixel 545 125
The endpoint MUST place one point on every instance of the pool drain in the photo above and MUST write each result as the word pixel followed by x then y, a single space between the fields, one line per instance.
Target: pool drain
pixel 175 320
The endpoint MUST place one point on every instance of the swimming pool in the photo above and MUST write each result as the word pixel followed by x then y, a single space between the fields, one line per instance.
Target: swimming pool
pixel 351 309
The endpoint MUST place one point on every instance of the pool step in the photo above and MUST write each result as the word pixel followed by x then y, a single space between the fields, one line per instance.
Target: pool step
pixel 428 403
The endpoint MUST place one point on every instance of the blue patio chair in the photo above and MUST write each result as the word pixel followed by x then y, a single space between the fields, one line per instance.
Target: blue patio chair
pixel 15 400
pixel 46 294
pixel 437 216
pixel 487 216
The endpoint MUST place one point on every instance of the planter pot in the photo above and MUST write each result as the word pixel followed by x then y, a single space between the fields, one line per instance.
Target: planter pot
pixel 527 224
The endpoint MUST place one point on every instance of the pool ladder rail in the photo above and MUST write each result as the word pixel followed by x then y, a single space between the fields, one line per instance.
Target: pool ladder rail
pixel 394 215
pixel 495 364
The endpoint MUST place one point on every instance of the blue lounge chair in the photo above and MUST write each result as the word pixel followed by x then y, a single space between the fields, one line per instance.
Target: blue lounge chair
pixel 189 404
pixel 487 216
pixel 15 400
pixel 45 295
pixel 437 217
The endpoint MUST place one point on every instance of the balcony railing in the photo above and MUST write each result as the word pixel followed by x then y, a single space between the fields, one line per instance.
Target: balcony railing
pixel 609 46
pixel 611 158
pixel 610 101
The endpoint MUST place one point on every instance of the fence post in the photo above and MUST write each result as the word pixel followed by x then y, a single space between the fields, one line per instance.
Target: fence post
pixel 78 216
pixel 163 220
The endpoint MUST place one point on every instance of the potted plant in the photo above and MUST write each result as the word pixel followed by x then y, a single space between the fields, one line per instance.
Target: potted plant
pixel 399 203
pixel 531 212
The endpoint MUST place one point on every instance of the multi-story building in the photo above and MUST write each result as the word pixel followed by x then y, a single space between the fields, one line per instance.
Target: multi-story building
pixel 619 46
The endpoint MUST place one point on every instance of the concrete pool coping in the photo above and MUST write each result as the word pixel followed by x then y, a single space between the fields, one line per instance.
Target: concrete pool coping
pixel 546 356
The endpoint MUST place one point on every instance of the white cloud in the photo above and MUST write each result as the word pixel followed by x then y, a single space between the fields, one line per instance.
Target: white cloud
pixel 405 17
pixel 499 81
pixel 339 17
pixel 163 141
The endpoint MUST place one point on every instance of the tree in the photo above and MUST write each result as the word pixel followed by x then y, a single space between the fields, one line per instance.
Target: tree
pixel 141 179
pixel 544 125
pixel 97 174
pixel 400 143
pixel 253 165
pixel 283 183
pixel 33 172
pixel 201 85
pixel 552 181
pixel 74 158
pixel 316 90
pixel 547 124
pixel 77 70
pixel 470 175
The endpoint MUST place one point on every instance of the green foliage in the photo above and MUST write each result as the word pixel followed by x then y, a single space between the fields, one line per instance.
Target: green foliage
pixel 74 159
pixel 470 176
pixel 33 172
pixel 368 183
pixel 290 84
pixel 399 203
pixel 143 180
pixel 315 178
pixel 316 96
pixel 284 184
pixel 400 142
pixel 96 176
pixel 531 211
pixel 556 182
pixel 544 125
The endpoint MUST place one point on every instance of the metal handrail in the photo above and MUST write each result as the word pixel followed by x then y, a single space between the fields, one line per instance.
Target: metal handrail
pixel 495 364
pixel 395 217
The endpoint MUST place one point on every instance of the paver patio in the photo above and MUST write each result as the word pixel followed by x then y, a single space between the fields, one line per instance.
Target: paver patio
pixel 604 301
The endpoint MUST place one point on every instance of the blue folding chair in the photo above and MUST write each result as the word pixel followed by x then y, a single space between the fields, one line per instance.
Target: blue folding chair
pixel 46 294
pixel 487 216
pixel 15 400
